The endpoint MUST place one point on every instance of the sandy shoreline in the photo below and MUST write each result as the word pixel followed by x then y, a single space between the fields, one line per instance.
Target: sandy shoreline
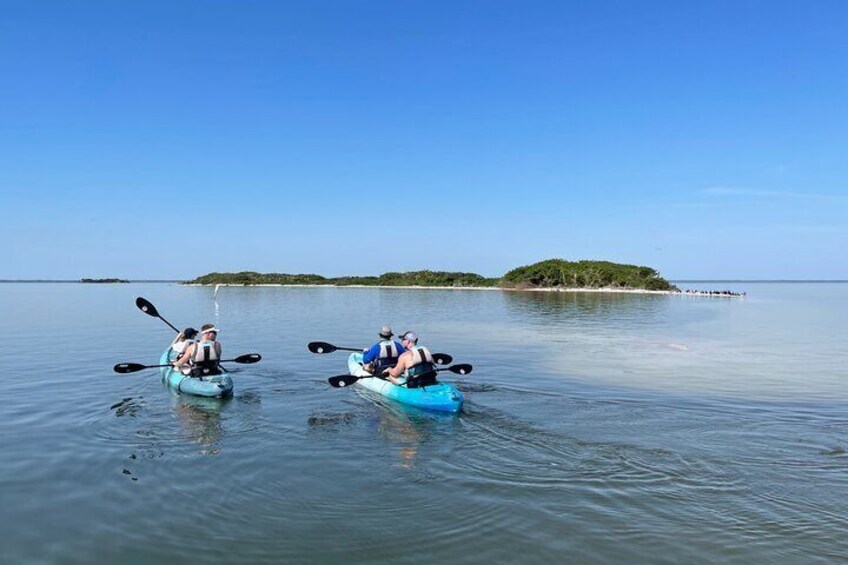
pixel 491 288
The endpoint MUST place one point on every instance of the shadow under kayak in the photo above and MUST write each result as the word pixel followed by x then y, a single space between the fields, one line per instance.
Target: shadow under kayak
pixel 215 386
pixel 442 397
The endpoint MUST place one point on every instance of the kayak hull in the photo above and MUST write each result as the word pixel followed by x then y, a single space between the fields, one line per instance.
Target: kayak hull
pixel 216 386
pixel 440 397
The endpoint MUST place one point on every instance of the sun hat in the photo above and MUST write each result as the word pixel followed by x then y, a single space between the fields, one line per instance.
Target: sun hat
pixel 386 332
pixel 207 328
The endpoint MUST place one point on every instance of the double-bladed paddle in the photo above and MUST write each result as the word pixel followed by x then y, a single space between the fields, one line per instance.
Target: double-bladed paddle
pixel 247 358
pixel 324 347
pixel 149 309
pixel 341 381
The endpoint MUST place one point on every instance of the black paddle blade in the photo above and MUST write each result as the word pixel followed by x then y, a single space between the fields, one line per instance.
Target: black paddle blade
pixel 248 358
pixel 342 381
pixel 442 359
pixel 321 347
pixel 146 307
pixel 461 369
pixel 128 367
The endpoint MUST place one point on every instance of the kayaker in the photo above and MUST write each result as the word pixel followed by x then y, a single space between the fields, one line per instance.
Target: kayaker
pixel 416 364
pixel 383 354
pixel 202 356
pixel 183 340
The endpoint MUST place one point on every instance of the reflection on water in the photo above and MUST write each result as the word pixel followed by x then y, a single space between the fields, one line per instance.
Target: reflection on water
pixel 343 418
pixel 597 428
pixel 571 307
pixel 199 420
pixel 129 406
pixel 403 430
pixel 682 344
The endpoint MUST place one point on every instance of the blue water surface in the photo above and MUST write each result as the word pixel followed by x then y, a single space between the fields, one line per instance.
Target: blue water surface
pixel 597 428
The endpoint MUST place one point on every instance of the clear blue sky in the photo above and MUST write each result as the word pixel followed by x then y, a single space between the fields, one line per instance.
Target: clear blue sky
pixel 168 139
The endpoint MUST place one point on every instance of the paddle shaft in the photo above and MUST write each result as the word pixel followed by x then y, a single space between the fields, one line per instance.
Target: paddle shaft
pixel 124 368
pixel 171 364
pixel 169 323
pixel 344 380
pixel 324 347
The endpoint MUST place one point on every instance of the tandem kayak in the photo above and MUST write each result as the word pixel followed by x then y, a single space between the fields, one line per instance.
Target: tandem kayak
pixel 442 397
pixel 215 386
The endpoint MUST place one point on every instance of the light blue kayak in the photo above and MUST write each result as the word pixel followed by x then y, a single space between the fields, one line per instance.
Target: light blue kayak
pixel 442 397
pixel 215 386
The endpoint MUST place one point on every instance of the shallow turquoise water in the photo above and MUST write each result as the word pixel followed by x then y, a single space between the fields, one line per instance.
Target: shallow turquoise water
pixel 597 428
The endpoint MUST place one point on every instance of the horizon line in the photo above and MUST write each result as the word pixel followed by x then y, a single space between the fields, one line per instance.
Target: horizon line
pixel 130 281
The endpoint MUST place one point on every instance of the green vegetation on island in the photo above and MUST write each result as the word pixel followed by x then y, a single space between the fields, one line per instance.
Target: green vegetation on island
pixel 103 281
pixel 559 273
pixel 552 273
pixel 415 278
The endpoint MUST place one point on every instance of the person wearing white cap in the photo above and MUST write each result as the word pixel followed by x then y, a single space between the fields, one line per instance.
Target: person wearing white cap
pixel 416 364
pixel 383 354
pixel 201 358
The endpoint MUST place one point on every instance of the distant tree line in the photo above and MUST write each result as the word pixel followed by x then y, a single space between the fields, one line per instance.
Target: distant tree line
pixel 415 278
pixel 104 281
pixel 553 273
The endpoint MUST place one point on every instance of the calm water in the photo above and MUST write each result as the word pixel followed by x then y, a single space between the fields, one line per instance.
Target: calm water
pixel 597 428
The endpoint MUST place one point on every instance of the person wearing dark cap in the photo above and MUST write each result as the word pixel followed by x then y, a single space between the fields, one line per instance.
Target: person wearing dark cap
pixel 183 340
pixel 201 357
pixel 415 364
pixel 383 354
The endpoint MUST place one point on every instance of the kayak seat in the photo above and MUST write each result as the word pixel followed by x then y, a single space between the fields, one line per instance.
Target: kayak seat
pixel 422 380
pixel 200 371
pixel 381 364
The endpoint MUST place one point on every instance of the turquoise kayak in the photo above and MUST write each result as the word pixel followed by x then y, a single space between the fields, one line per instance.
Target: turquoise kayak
pixel 442 397
pixel 215 386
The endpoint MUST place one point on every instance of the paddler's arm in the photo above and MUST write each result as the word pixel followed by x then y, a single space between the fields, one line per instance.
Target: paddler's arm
pixel 186 356
pixel 370 354
pixel 397 370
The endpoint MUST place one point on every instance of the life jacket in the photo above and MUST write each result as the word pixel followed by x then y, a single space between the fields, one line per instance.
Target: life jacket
pixel 422 370
pixel 180 347
pixel 388 356
pixel 205 360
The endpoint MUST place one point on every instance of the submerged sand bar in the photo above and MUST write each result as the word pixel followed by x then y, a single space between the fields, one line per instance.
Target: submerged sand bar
pixel 607 290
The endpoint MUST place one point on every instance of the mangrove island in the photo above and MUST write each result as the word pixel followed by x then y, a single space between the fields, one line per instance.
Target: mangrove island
pixel 101 281
pixel 552 274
